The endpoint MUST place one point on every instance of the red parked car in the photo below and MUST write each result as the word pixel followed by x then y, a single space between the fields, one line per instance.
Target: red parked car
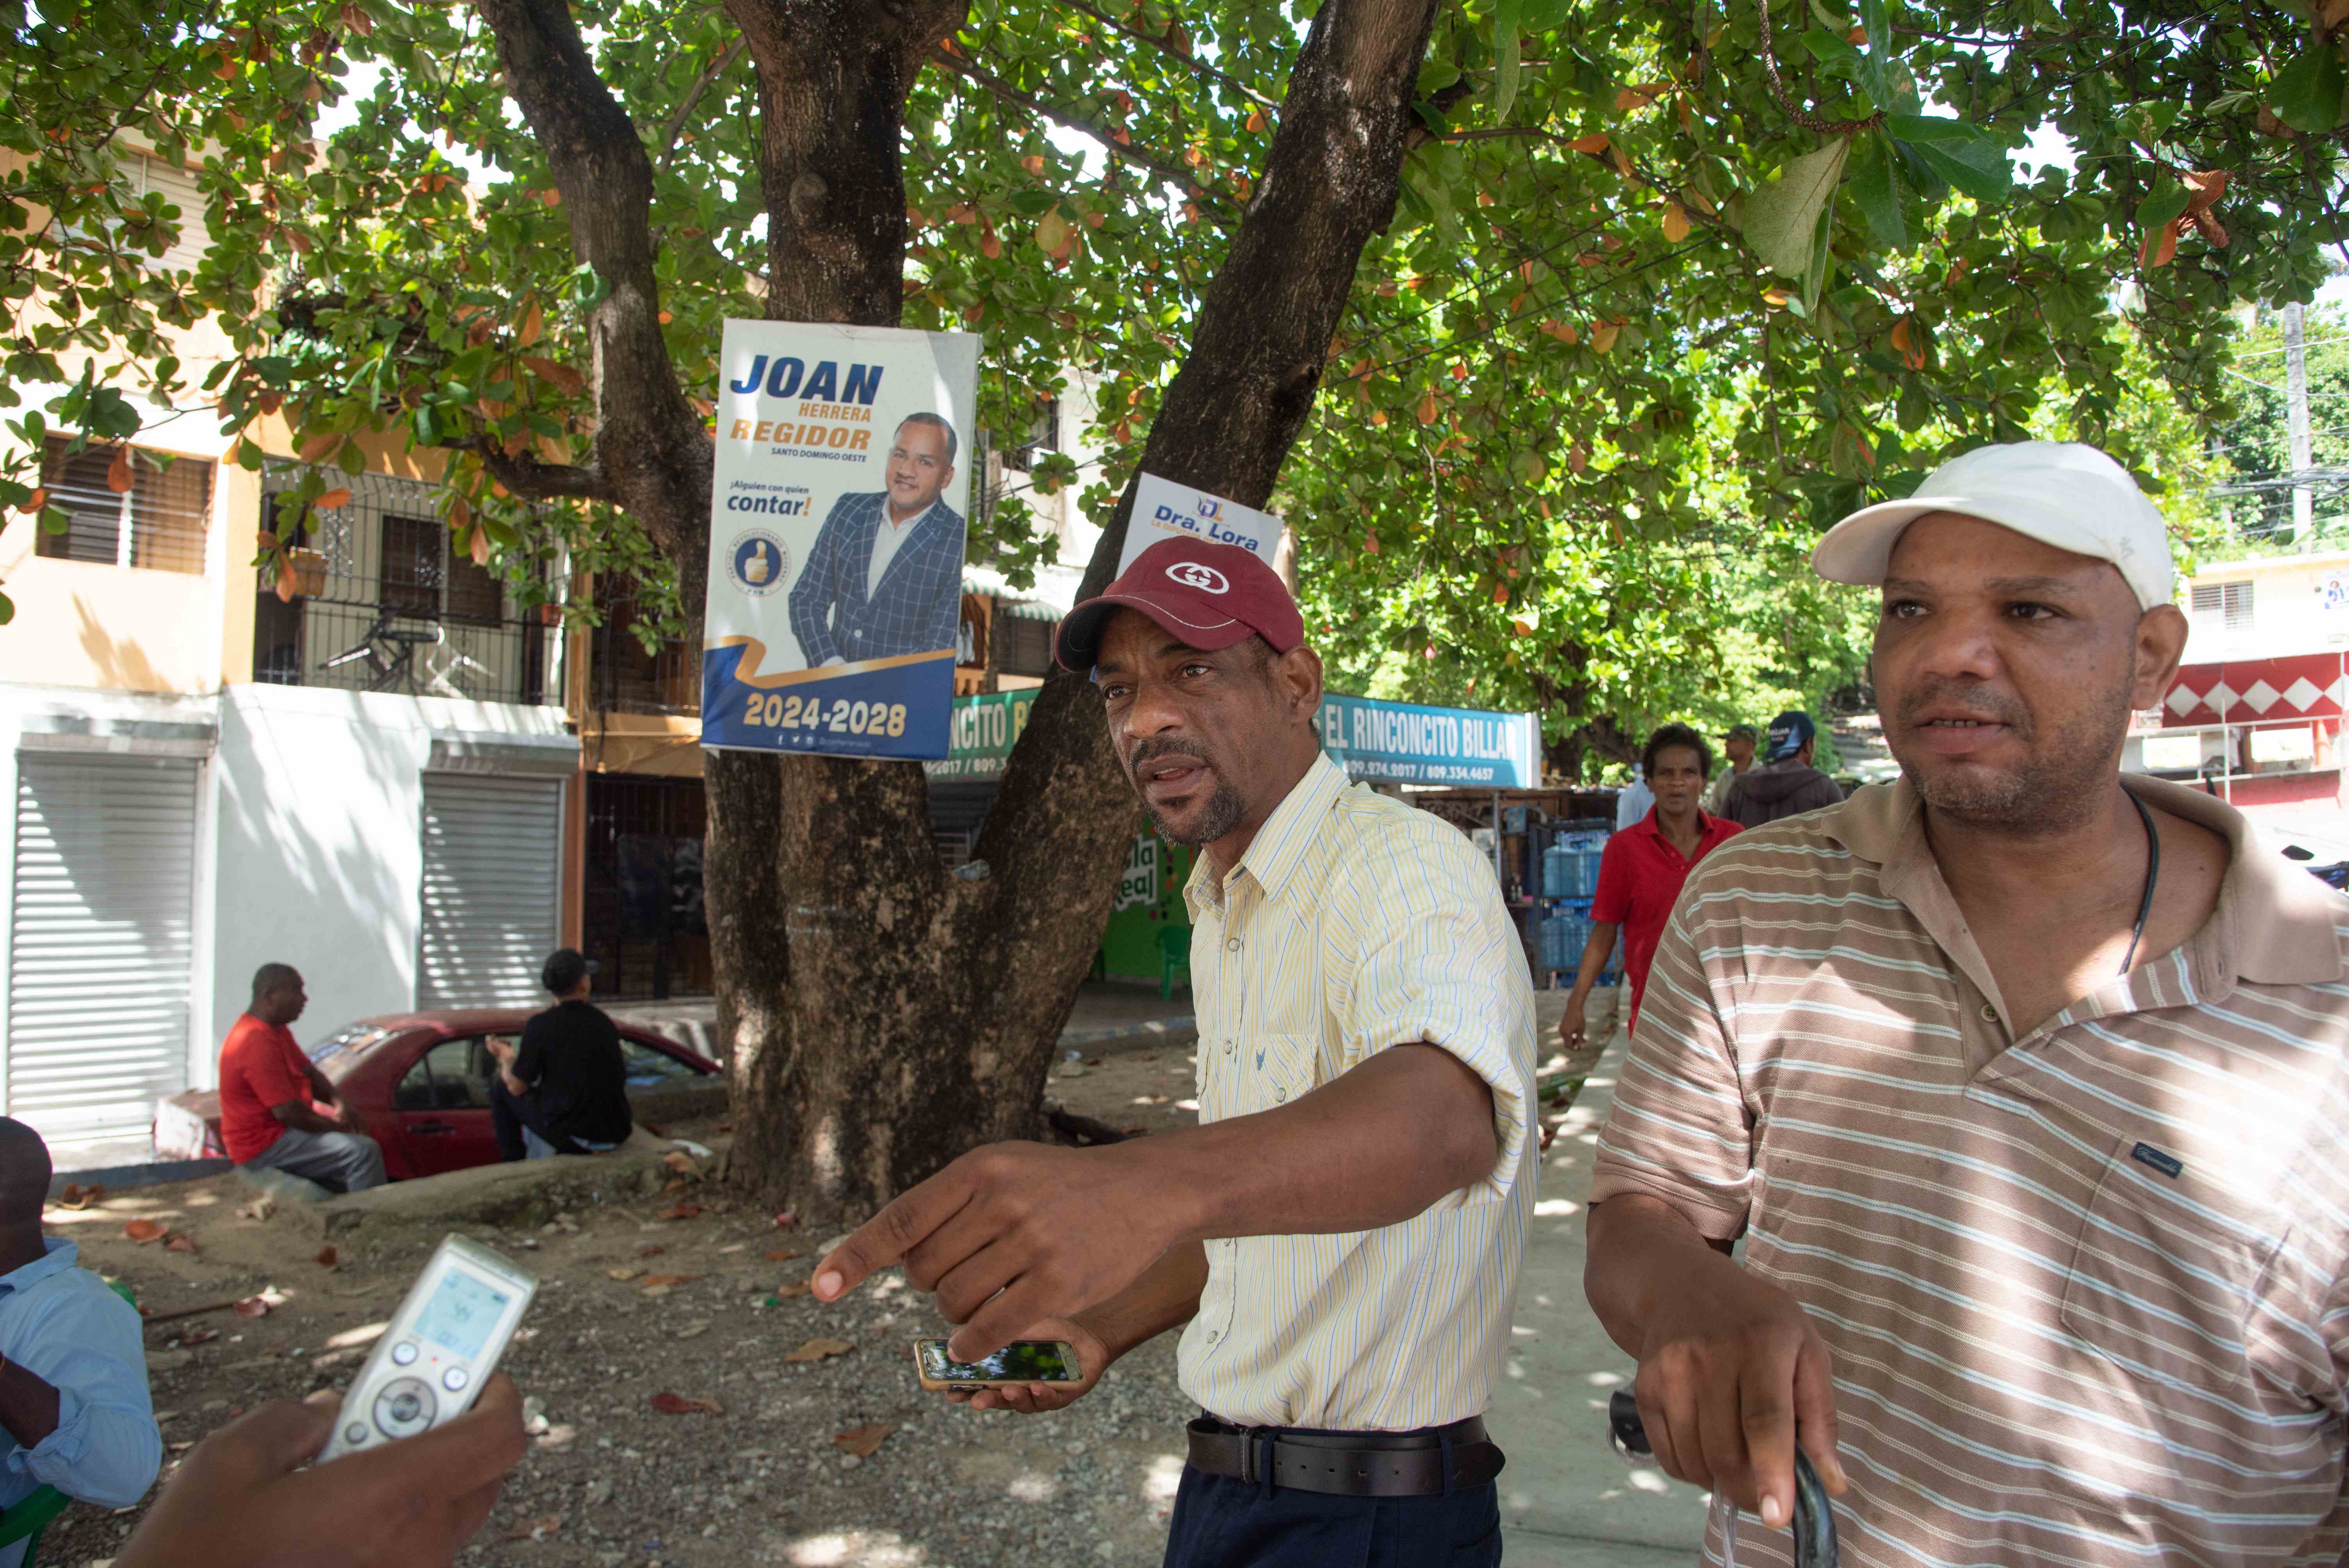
pixel 419 1084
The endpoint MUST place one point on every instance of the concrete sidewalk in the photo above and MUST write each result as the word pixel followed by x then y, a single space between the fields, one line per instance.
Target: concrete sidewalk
pixel 1566 1501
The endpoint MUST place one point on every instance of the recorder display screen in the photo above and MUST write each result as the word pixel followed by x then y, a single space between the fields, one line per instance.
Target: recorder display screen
pixel 461 1313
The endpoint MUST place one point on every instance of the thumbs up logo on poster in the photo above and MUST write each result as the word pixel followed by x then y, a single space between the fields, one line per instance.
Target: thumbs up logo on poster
pixel 758 562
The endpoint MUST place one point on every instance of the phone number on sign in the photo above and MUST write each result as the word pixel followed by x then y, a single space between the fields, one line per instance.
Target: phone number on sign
pixel 773 710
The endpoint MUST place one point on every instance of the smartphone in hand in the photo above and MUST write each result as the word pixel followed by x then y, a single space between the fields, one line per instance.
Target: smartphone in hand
pixel 441 1344
pixel 1021 1362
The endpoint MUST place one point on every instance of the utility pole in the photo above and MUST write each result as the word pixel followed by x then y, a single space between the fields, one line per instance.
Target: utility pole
pixel 2295 392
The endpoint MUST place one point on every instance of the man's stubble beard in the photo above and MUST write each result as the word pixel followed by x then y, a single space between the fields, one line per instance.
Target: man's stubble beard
pixel 1225 810
pixel 2056 787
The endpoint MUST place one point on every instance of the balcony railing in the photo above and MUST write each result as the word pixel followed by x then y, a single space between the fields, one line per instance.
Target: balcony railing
pixel 386 601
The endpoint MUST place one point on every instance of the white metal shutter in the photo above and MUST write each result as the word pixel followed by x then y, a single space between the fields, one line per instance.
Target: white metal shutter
pixel 492 864
pixel 102 910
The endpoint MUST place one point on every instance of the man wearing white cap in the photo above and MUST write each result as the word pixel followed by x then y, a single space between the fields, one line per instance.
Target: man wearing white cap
pixel 2023 1084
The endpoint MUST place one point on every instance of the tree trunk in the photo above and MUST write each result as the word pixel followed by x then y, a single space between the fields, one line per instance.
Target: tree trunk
pixel 887 1016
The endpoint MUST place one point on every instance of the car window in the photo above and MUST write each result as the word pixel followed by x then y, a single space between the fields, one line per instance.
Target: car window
pixel 647 1065
pixel 354 1037
pixel 452 1076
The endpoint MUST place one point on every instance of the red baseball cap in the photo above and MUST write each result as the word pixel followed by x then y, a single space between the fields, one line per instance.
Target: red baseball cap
pixel 1208 596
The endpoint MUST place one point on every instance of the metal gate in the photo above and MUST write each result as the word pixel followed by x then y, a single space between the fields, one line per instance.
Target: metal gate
pixel 492 886
pixel 100 940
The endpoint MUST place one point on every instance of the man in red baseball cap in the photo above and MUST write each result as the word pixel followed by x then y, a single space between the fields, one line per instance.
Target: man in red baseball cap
pixel 1339 1239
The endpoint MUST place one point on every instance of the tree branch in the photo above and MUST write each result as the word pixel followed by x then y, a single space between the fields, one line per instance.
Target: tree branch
pixel 718 68
pixel 1197 64
pixel 652 452
pixel 1173 173
pixel 1803 117
pixel 529 477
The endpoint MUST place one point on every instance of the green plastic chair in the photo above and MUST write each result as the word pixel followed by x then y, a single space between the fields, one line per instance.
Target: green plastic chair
pixel 25 1521
pixel 1173 952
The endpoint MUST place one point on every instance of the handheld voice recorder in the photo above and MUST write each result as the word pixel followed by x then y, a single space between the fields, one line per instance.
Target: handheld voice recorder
pixel 442 1343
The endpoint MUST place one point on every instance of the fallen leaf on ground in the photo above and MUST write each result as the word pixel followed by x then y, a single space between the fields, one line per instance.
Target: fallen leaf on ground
pixel 792 1290
pixel 199 1336
pixel 817 1349
pixel 327 1257
pixel 652 1251
pixel 623 1275
pixel 670 1279
pixel 538 1529
pixel 251 1306
pixel 737 1247
pixel 693 1329
pixel 261 1208
pixel 784 1255
pixel 176 1243
pixel 144 1231
pixel 724 1127
pixel 680 1211
pixel 685 1405
pixel 862 1441
pixel 76 1196
pixel 786 1220
pixel 678 1160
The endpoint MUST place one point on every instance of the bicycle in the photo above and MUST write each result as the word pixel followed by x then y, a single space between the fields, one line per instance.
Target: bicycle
pixel 398 666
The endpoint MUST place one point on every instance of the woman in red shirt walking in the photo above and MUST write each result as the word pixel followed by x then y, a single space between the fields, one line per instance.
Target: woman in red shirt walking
pixel 1640 875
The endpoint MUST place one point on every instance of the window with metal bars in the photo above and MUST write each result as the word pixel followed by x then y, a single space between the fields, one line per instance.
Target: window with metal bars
pixel 2223 606
pixel 158 522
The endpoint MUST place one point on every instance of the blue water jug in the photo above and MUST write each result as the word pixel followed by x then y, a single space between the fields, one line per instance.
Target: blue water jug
pixel 1559 871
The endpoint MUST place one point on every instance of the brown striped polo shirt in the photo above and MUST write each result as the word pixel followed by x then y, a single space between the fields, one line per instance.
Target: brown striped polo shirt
pixel 2084 1288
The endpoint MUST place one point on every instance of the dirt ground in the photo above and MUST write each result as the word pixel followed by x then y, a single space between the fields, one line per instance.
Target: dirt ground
pixel 609 1482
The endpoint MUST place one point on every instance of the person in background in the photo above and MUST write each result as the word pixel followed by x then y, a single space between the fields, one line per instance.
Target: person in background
pixel 272 1095
pixel 1738 747
pixel 2023 1080
pixel 1641 871
pixel 1786 784
pixel 247 1496
pixel 74 1407
pixel 565 1089
pixel 1632 802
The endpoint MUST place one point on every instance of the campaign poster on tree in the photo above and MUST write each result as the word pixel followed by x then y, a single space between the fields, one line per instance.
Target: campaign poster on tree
pixel 836 524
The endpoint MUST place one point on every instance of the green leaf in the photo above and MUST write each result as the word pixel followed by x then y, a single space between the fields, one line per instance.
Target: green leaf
pixel 1505 48
pixel 1782 218
pixel 1814 276
pixel 1546 16
pixel 7 609
pixel 1965 155
pixel 1830 49
pixel 2162 207
pixel 2306 95
pixel 1873 76
pixel 1875 190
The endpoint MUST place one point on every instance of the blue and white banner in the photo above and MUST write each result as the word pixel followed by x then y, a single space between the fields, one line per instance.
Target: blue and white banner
pixel 1402 743
pixel 836 525
pixel 1164 510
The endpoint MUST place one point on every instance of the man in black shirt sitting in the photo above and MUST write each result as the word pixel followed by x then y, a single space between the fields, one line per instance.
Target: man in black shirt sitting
pixel 565 1089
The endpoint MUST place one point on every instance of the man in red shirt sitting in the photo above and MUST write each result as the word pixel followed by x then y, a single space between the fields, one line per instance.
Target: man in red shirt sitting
pixel 273 1101
pixel 1640 875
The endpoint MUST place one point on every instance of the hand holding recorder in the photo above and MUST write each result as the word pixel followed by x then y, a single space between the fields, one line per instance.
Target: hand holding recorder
pixel 242 1498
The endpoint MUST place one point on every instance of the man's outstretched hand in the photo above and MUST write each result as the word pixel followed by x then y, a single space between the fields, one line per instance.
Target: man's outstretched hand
pixel 1016 1233
pixel 242 1500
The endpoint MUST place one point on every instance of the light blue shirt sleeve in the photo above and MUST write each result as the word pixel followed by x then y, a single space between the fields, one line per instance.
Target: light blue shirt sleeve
pixel 82 1339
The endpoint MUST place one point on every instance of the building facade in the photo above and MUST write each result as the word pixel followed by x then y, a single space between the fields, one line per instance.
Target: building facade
pixel 2254 714
pixel 368 777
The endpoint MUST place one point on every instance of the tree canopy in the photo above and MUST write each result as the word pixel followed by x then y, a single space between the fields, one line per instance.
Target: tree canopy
pixel 1671 286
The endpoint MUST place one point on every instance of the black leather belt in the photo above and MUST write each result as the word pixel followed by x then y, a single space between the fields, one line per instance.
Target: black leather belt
pixel 1350 1464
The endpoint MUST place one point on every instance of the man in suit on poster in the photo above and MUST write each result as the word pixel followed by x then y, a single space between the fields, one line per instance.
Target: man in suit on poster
pixel 884 577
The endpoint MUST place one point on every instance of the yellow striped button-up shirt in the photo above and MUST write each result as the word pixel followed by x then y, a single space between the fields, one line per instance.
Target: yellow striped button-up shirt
pixel 1354 922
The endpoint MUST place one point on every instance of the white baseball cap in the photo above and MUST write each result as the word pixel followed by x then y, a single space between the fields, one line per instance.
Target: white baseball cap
pixel 2062 493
